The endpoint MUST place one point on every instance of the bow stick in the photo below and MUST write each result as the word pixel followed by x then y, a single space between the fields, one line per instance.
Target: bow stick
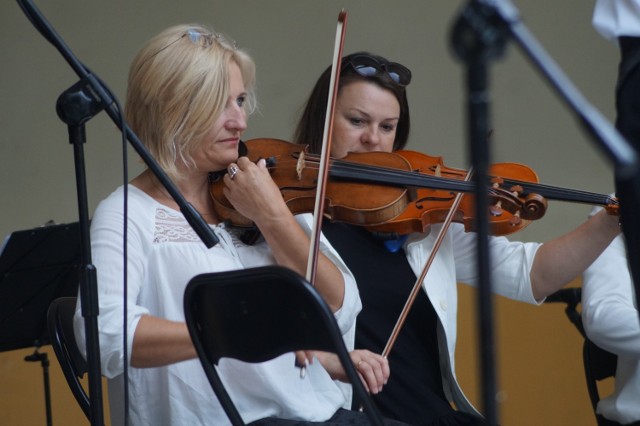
pixel 325 156
pixel 416 288
pixel 323 171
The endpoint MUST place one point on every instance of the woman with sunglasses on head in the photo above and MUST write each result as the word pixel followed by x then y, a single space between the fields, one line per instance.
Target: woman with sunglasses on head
pixel 189 93
pixel 372 114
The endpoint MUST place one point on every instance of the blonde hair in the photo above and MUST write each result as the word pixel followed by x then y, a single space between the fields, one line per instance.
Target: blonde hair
pixel 178 86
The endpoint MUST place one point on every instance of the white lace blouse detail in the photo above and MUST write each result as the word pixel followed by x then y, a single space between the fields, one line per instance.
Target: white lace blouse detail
pixel 171 227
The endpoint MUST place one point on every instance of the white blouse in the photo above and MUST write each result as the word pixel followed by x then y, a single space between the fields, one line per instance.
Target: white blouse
pixel 164 253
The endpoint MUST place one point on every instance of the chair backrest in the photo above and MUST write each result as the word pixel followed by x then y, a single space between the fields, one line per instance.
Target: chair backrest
pixel 256 314
pixel 599 364
pixel 572 297
pixel 74 366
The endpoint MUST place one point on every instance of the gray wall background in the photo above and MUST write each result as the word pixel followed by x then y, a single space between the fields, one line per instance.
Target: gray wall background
pixel 292 41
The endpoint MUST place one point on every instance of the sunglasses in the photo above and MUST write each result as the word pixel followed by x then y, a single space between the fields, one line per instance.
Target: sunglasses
pixel 200 39
pixel 368 66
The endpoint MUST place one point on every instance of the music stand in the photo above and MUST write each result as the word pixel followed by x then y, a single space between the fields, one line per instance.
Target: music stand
pixel 36 266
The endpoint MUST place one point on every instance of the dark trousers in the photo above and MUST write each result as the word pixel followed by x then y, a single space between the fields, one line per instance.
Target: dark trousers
pixel 628 113
pixel 628 91
pixel 341 418
pixel 604 422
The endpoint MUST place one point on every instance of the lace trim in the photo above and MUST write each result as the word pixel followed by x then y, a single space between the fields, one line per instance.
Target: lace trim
pixel 172 227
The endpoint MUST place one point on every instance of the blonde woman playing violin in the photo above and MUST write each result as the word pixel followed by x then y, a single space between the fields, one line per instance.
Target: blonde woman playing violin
pixel 190 91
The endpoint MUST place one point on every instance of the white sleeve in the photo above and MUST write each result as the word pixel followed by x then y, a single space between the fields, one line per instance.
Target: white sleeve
pixel 351 304
pixel 609 312
pixel 107 256
pixel 511 264
pixel 615 18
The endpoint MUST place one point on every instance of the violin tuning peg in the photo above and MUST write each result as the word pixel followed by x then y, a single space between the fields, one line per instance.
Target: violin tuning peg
pixel 516 190
pixel 497 182
pixel 496 209
pixel 515 220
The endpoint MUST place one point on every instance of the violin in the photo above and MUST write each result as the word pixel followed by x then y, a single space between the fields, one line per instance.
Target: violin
pixel 400 192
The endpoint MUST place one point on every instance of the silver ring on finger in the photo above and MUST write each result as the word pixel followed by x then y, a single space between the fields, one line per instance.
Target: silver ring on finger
pixel 233 170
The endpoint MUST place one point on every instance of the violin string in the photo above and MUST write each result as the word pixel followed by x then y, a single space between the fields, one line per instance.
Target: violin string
pixel 397 177
pixel 403 178
pixel 389 176
pixel 564 194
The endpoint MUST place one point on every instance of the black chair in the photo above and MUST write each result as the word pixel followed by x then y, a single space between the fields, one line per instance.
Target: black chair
pixel 254 315
pixel 599 364
pixel 572 296
pixel 74 366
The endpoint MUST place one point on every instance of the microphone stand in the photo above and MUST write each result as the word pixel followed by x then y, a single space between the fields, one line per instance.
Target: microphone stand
pixel 75 107
pixel 479 34
pixel 476 42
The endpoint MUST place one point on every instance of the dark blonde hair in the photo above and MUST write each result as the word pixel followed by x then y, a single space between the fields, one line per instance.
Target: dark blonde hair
pixel 178 86
pixel 311 124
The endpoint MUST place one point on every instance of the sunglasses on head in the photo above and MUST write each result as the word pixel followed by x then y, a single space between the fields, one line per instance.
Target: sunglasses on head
pixel 368 66
pixel 198 38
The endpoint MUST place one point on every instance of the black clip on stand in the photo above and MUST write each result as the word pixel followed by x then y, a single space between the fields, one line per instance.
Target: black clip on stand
pixel 75 107
pixel 478 35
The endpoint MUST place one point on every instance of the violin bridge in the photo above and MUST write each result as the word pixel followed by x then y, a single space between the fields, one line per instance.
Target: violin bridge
pixel 300 165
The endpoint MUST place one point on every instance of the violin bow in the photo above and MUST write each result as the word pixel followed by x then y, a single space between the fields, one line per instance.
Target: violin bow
pixel 323 171
pixel 418 284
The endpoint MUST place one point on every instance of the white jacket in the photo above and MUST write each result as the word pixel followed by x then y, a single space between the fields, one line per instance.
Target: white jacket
pixel 610 319
pixel 455 262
